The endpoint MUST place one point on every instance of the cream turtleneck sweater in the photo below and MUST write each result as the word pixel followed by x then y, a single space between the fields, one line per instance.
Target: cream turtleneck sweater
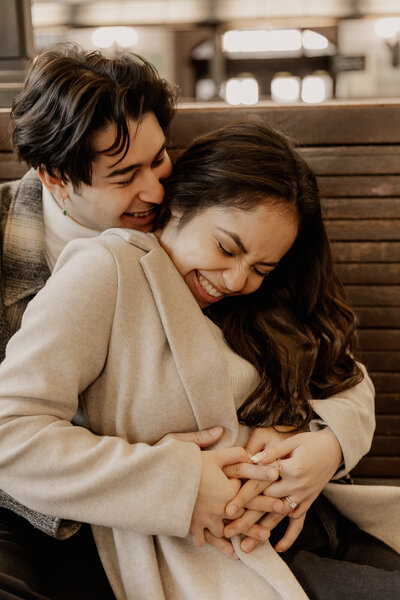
pixel 59 229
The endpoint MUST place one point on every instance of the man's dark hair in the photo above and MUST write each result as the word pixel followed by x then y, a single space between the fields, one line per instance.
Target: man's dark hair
pixel 69 94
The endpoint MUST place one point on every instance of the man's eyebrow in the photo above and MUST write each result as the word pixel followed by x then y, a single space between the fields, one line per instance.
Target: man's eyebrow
pixel 239 243
pixel 129 168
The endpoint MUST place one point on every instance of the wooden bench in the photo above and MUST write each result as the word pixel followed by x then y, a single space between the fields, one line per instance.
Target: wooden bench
pixel 354 148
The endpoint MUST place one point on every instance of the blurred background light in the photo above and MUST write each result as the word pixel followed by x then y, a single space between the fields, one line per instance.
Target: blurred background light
pixel 105 37
pixel 205 89
pixel 242 90
pixel 312 40
pixel 387 28
pixel 317 87
pixel 285 88
pixel 278 40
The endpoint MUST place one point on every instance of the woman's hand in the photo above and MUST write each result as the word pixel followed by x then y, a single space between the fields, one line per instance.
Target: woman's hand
pixel 259 478
pixel 308 461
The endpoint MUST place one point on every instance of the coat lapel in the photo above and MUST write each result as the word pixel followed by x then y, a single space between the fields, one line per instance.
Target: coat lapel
pixel 201 367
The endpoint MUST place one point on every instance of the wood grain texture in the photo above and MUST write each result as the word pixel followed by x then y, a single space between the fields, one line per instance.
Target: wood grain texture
pixel 354 149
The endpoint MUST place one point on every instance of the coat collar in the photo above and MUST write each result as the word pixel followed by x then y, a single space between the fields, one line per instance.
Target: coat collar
pixel 24 268
pixel 189 336
pixel 192 342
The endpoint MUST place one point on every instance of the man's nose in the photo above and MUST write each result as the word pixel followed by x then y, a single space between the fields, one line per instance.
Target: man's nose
pixel 152 190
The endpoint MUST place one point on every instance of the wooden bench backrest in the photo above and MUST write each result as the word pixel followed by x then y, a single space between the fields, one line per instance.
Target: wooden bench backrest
pixel 354 148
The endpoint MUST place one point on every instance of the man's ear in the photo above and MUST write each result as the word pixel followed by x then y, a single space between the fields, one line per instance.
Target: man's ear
pixel 53 183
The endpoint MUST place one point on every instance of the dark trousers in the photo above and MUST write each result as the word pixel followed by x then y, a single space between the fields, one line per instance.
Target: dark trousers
pixel 334 560
pixel 34 566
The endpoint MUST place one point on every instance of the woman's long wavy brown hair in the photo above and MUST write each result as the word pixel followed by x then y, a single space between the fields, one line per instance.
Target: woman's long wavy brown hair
pixel 297 328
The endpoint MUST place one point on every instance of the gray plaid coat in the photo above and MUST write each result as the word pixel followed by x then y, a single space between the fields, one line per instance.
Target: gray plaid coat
pixel 23 272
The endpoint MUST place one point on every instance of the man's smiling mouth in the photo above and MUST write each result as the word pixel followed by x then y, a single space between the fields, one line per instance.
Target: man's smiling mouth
pixel 144 213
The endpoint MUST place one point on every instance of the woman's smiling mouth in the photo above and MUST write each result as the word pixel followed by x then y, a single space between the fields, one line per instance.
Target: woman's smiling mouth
pixel 208 287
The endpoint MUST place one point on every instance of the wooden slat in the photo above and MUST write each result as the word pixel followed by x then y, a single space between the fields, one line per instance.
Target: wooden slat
pixel 366 252
pixel 388 425
pixel 387 403
pixel 364 230
pixel 331 123
pixel 359 186
pixel 353 160
pixel 364 208
pixel 371 339
pixel 5 144
pixel 385 382
pixel 354 273
pixel 381 360
pixel 382 316
pixel 11 168
pixel 378 295
pixel 385 466
pixel 385 445
pixel 323 125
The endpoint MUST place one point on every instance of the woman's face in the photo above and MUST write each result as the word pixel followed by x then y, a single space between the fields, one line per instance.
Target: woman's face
pixel 227 251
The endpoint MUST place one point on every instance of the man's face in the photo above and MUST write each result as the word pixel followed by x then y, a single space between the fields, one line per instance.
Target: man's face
pixel 126 193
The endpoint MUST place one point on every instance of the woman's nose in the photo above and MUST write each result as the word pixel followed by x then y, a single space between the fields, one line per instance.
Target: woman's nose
pixel 235 279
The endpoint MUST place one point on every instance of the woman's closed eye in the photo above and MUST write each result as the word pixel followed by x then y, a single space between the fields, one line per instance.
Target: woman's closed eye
pixel 260 273
pixel 224 250
pixel 256 271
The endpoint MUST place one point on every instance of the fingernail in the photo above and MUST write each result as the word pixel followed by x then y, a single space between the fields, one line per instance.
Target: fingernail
pixel 235 556
pixel 264 535
pixel 257 457
pixel 231 510
pixel 215 431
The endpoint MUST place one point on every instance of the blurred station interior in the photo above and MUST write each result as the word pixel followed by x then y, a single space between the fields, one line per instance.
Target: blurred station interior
pixel 233 51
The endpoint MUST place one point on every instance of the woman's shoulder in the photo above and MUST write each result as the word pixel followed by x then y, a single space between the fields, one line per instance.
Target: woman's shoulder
pixel 102 257
pixel 118 237
pixel 113 242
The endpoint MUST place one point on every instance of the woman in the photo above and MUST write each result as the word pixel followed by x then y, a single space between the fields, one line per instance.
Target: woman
pixel 119 335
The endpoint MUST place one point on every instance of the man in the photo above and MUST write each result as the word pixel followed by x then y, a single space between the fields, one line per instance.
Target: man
pixel 93 131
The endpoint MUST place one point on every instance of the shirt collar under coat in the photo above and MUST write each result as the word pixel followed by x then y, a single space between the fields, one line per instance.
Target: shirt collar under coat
pixel 24 268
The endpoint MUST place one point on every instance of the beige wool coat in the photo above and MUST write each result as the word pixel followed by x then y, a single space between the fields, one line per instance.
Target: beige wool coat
pixel 116 343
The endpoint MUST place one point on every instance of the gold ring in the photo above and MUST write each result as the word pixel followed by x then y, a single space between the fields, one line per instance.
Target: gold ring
pixel 278 465
pixel 292 502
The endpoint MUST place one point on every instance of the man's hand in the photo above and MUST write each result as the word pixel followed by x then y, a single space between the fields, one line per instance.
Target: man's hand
pixel 203 438
pixel 215 491
pixel 267 523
